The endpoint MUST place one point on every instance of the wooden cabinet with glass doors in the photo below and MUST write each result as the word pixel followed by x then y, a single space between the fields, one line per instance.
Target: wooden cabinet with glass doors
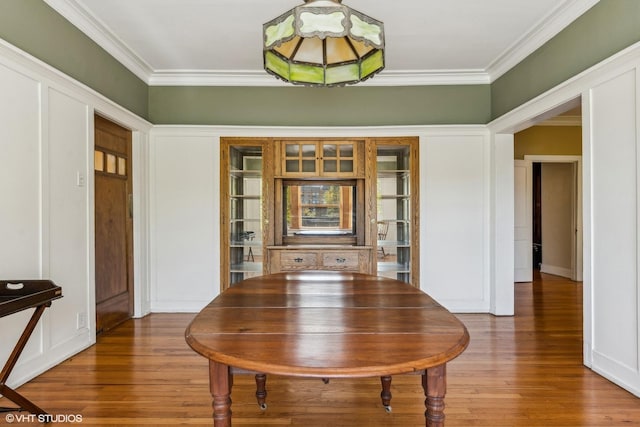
pixel 325 158
pixel 244 215
pixel 397 208
pixel 322 203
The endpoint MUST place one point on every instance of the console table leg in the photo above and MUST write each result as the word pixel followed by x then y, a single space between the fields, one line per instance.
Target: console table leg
pixel 434 383
pixel 220 380
pixel 22 342
pixel 22 402
pixel 5 390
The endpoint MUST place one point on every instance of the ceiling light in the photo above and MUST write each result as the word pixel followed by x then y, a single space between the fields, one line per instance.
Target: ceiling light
pixel 323 43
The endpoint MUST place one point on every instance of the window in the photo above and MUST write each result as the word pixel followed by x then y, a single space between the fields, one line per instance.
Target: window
pixel 319 209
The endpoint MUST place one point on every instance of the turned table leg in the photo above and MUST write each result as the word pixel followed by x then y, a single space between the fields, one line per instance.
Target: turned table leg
pixel 261 390
pixel 434 383
pixel 385 394
pixel 220 381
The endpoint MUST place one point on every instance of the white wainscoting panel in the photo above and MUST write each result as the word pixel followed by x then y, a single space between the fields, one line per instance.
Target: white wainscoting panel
pixel 614 228
pixel 184 204
pixel 68 140
pixel 454 227
pixel 20 224
pixel 19 175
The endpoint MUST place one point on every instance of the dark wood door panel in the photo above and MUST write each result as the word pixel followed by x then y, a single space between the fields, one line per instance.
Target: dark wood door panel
pixel 111 272
pixel 113 225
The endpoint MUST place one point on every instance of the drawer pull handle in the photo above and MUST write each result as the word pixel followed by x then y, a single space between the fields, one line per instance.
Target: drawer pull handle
pixel 341 260
pixel 15 286
pixel 298 260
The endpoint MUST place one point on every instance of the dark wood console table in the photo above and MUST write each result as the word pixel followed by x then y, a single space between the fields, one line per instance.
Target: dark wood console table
pixel 15 296
pixel 326 325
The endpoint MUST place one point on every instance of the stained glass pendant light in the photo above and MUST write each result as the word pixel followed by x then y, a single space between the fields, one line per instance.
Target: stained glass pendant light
pixel 323 43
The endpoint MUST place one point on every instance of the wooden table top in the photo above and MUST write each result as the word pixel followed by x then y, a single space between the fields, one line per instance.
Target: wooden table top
pixel 326 325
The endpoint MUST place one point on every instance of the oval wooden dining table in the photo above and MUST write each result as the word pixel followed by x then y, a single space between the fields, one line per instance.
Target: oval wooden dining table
pixel 326 325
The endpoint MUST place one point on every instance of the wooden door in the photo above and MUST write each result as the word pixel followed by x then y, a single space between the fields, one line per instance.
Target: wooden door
pixel 113 225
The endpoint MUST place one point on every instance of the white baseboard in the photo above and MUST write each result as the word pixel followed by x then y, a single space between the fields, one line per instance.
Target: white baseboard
pixel 616 372
pixel 555 270
pixel 178 306
pixel 30 369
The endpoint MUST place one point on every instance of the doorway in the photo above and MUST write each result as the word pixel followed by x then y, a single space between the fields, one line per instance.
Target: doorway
pixel 557 215
pixel 113 224
pixel 548 197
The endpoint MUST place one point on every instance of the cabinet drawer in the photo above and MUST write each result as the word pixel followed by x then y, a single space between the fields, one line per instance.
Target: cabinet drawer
pixel 293 260
pixel 340 260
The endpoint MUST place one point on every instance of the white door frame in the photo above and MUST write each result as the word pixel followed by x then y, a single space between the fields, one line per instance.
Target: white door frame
pixel 576 203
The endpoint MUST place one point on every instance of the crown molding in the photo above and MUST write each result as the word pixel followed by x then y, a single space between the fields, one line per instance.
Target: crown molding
pixel 547 28
pixel 261 78
pixel 314 131
pixel 103 36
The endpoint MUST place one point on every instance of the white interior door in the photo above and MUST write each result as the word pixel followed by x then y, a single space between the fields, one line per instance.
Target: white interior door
pixel 523 221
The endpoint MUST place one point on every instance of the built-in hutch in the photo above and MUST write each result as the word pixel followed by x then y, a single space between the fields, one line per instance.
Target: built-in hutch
pixel 329 204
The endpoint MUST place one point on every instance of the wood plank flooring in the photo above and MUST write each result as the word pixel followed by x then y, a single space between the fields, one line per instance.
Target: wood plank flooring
pixel 524 370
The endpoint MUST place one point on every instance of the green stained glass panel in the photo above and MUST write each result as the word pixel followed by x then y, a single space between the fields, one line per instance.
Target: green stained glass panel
pixel 276 64
pixel 307 73
pixel 372 64
pixel 343 73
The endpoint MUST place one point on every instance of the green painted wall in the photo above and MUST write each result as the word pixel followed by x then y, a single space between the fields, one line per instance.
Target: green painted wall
pixel 607 28
pixel 34 27
pixel 303 106
pixel 610 26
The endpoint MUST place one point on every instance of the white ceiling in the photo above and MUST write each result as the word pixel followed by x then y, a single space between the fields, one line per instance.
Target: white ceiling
pixel 219 42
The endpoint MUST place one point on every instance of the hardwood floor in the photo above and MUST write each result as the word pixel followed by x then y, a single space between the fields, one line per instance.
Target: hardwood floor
pixel 524 370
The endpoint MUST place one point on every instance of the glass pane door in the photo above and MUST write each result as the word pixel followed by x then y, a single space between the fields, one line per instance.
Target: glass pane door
pixel 394 211
pixel 300 158
pixel 338 158
pixel 245 212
